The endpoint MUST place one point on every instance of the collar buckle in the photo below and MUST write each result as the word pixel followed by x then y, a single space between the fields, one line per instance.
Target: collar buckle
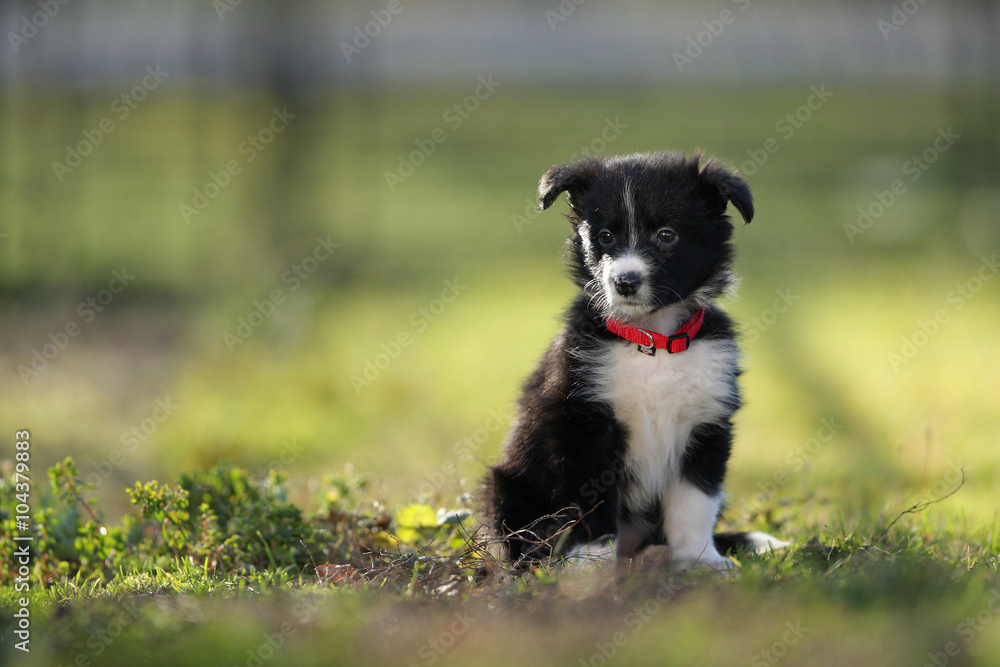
pixel 650 341
pixel 678 342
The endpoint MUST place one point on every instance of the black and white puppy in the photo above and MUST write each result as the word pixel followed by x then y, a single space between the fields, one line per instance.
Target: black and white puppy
pixel 624 430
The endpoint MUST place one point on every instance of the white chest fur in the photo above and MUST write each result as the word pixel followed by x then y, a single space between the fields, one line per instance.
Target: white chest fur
pixel 659 400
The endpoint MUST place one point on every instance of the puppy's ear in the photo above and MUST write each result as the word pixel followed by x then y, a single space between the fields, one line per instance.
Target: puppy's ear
pixel 571 178
pixel 731 186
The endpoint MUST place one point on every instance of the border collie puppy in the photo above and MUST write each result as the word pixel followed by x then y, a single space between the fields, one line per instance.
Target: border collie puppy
pixel 623 431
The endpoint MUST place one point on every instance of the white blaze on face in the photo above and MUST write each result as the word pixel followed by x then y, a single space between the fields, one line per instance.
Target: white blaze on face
pixel 635 304
pixel 583 229
pixel 628 198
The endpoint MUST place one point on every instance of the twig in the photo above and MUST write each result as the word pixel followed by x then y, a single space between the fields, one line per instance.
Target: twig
pixel 913 509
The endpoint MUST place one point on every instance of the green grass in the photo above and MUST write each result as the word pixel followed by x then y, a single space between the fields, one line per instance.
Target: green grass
pixel 881 590
pixel 425 428
pixel 884 590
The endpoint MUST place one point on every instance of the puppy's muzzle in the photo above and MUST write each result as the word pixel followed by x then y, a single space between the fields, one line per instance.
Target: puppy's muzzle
pixel 627 283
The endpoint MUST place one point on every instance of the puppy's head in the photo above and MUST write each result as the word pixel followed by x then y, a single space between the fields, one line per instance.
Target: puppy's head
pixel 649 230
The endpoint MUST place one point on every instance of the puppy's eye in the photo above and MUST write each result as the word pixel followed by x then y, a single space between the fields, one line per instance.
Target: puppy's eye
pixel 667 236
pixel 605 237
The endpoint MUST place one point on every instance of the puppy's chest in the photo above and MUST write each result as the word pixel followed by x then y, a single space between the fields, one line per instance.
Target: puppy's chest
pixel 659 400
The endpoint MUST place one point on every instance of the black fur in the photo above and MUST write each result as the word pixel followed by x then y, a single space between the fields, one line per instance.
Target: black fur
pixel 563 461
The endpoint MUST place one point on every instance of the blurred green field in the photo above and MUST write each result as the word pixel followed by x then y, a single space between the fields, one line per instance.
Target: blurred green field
pixel 463 216
pixel 836 438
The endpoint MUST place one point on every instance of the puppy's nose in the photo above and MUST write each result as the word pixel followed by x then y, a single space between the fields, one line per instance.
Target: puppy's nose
pixel 627 283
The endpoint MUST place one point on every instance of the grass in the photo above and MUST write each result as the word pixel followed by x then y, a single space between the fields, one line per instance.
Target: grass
pixel 884 590
pixel 835 441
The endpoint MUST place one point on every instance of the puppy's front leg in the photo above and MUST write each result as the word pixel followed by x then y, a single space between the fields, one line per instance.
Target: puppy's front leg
pixel 689 519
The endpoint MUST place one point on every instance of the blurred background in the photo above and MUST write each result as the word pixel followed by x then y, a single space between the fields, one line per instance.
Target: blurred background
pixel 301 234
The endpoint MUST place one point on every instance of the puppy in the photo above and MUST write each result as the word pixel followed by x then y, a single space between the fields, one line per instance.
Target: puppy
pixel 623 431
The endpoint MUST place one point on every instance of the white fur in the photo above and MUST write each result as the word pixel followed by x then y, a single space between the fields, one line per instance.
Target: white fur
pixel 628 198
pixel 660 399
pixel 593 554
pixel 583 229
pixel 689 518
pixel 627 306
pixel 762 542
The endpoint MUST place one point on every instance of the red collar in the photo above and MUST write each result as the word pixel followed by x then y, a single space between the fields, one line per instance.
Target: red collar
pixel 650 341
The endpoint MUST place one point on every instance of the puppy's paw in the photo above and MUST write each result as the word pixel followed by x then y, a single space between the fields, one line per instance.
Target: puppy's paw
pixel 660 555
pixel 596 555
pixel 712 562
pixel 655 555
